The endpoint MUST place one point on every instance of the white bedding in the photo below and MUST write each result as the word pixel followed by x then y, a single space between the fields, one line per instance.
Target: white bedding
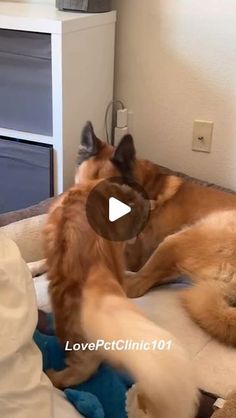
pixel 24 389
pixel 215 363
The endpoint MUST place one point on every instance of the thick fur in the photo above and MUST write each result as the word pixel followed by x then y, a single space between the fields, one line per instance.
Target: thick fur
pixel 89 303
pixel 212 305
pixel 205 251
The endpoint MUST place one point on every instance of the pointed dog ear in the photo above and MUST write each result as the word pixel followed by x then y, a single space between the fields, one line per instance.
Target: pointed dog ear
pixel 89 144
pixel 124 156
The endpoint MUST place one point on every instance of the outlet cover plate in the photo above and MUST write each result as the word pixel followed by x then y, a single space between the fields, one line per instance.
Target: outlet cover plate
pixel 202 135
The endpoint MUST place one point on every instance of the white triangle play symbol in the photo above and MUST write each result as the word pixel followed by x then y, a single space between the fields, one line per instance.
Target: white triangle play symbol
pixel 117 209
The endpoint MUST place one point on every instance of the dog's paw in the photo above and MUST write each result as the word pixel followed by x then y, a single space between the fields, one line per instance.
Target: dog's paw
pixel 134 285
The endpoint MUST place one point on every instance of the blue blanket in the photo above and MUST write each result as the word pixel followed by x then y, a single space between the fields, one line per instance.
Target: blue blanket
pixel 102 396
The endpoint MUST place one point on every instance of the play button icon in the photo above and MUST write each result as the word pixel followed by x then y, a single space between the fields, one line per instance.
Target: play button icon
pixel 117 209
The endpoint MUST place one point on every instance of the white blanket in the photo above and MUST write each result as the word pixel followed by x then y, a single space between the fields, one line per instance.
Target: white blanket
pixel 25 391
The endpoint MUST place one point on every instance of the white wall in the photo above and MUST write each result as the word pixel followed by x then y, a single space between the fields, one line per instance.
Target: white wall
pixel 176 62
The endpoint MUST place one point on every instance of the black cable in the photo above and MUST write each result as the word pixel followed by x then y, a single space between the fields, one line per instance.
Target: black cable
pixel 112 104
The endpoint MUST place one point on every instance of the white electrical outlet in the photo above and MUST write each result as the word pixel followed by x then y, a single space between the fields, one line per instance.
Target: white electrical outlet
pixel 202 135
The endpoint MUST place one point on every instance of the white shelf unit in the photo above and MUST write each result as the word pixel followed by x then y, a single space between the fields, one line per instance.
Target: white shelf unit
pixel 82 67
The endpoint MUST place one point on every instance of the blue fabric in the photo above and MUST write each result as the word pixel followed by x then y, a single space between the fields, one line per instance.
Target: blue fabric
pixel 180 283
pixel 102 396
pixel 86 403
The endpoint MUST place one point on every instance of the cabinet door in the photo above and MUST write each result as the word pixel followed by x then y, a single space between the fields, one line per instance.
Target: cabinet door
pixel 25 82
pixel 26 174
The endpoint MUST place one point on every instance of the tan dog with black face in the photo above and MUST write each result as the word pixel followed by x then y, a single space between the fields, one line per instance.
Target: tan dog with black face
pixel 192 231
pixel 85 275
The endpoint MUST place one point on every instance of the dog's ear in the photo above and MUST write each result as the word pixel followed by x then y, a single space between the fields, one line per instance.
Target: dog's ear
pixel 124 156
pixel 89 144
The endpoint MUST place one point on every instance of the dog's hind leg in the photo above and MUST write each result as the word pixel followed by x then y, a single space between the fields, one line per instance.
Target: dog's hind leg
pixel 81 366
pixel 196 252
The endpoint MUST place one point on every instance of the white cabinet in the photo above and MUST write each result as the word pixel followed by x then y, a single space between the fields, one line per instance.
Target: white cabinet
pixel 48 101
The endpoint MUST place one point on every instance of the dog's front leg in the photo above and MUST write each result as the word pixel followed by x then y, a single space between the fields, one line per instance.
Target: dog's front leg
pixel 161 267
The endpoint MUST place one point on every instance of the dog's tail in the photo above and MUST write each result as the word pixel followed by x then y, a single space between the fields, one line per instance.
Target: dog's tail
pixel 164 376
pixel 212 305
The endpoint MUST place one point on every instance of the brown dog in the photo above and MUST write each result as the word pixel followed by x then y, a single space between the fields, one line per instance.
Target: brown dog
pixel 85 273
pixel 192 231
